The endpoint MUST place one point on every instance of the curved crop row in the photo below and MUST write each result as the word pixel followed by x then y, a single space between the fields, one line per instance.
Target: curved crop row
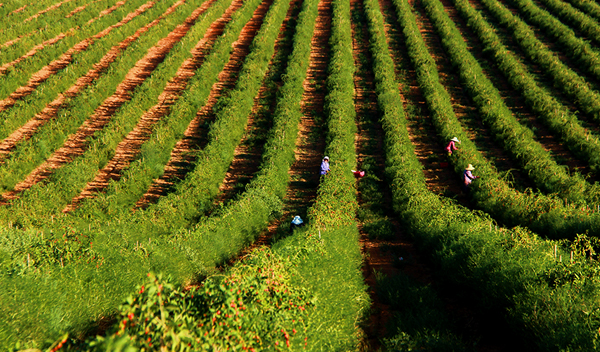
pixel 509 270
pixel 574 47
pixel 589 7
pixel 557 117
pixel 547 215
pixel 585 24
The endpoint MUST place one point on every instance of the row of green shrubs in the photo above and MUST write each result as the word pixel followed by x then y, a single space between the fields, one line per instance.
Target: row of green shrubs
pixel 575 47
pixel 90 289
pixel 547 215
pixel 548 303
pixel 28 106
pixel 287 297
pixel 44 201
pixel 557 117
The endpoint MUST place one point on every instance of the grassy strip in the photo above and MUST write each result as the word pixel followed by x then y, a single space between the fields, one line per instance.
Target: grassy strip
pixel 32 152
pixel 544 214
pixel 589 7
pixel 19 74
pixel 585 24
pixel 512 271
pixel 574 47
pixel 41 203
pixel 557 117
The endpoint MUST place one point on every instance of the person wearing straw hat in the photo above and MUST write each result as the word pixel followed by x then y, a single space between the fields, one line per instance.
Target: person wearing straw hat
pixel 452 145
pixel 325 166
pixel 468 177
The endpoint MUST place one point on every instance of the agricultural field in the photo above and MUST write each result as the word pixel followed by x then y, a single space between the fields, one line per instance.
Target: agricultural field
pixel 153 154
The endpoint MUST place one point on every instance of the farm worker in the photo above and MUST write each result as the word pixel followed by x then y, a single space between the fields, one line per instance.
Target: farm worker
pixel 358 174
pixel 296 222
pixel 325 166
pixel 452 146
pixel 468 176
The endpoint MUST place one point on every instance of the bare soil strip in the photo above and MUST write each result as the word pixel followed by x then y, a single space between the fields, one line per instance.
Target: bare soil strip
pixel 196 135
pixel 55 6
pixel 18 10
pixel 50 111
pixel 76 143
pixel 43 74
pixel 369 150
pixel 247 155
pixel 80 8
pixel 127 150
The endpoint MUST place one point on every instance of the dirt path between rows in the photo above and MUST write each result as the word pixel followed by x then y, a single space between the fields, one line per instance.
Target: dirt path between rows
pixel 53 7
pixel 247 155
pixel 67 58
pixel 80 8
pixel 76 144
pixel 195 137
pixel 130 147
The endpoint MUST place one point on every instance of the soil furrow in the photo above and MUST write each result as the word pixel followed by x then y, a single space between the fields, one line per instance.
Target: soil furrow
pixel 55 6
pixel 196 135
pixel 80 8
pixel 18 10
pixel 247 155
pixel 51 110
pixel 4 68
pixel 76 144
pixel 129 148
pixel 67 58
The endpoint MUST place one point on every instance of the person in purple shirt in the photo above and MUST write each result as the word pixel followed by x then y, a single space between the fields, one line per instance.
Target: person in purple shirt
pixel 325 166
pixel 452 145
pixel 468 177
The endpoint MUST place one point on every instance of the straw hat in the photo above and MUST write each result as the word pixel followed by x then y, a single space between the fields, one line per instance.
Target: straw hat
pixel 326 158
pixel 470 167
pixel 455 139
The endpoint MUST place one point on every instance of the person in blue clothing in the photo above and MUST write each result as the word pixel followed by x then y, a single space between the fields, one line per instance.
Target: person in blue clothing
pixel 468 177
pixel 325 166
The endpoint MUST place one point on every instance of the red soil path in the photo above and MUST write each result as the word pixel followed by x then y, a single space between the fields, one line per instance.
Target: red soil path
pixel 80 8
pixel 18 10
pixel 51 110
pixel 55 6
pixel 196 136
pixel 127 150
pixel 76 144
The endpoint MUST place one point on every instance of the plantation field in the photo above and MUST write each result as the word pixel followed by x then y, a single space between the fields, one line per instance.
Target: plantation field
pixel 153 154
